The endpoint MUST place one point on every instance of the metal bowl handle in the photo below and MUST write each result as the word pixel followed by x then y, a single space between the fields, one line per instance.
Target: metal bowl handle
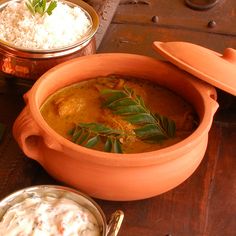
pixel 115 223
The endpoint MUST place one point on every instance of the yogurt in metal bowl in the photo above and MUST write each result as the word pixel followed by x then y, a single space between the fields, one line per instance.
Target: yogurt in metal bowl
pixel 53 210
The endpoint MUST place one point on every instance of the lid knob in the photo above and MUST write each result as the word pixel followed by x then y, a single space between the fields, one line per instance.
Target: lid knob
pixel 230 55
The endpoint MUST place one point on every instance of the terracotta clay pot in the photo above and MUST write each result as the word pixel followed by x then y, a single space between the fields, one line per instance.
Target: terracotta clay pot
pixel 107 175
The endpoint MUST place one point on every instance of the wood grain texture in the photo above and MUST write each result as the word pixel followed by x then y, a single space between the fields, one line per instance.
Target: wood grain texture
pixel 106 10
pixel 138 39
pixel 222 204
pixel 175 14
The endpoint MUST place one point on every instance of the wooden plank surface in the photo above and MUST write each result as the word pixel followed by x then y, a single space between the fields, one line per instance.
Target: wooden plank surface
pixel 222 200
pixel 138 39
pixel 106 10
pixel 175 14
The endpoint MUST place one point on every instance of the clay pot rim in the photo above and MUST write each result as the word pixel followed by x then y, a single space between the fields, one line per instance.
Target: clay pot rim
pixel 135 159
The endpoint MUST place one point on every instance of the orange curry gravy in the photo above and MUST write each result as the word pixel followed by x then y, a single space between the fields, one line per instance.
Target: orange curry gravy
pixel 81 103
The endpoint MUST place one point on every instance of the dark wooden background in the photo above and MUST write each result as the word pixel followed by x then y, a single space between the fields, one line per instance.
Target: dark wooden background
pixel 205 204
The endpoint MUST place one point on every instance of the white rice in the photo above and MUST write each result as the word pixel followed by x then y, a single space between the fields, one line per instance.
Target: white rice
pixel 65 26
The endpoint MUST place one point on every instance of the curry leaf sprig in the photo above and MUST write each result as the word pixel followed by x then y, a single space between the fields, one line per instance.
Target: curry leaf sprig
pixel 90 134
pixel 131 107
pixel 151 127
pixel 40 6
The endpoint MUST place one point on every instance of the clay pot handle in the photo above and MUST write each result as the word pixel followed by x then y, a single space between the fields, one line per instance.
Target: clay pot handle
pixel 30 137
pixel 27 134
pixel 211 96
pixel 115 223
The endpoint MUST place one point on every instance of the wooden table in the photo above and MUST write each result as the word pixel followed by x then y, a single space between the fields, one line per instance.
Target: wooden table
pixel 205 204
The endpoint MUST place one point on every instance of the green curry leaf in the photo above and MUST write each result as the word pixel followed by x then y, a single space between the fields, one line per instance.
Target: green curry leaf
pixel 90 134
pixel 151 127
pixel 92 141
pixel 108 145
pixel 117 146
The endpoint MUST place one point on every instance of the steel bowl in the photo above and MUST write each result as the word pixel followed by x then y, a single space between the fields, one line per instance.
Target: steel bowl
pixel 31 64
pixel 107 229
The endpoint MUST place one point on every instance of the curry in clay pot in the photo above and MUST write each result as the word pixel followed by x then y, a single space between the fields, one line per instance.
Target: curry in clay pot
pixel 120 114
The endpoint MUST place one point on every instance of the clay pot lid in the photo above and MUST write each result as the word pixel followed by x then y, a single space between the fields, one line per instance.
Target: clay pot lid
pixel 214 68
